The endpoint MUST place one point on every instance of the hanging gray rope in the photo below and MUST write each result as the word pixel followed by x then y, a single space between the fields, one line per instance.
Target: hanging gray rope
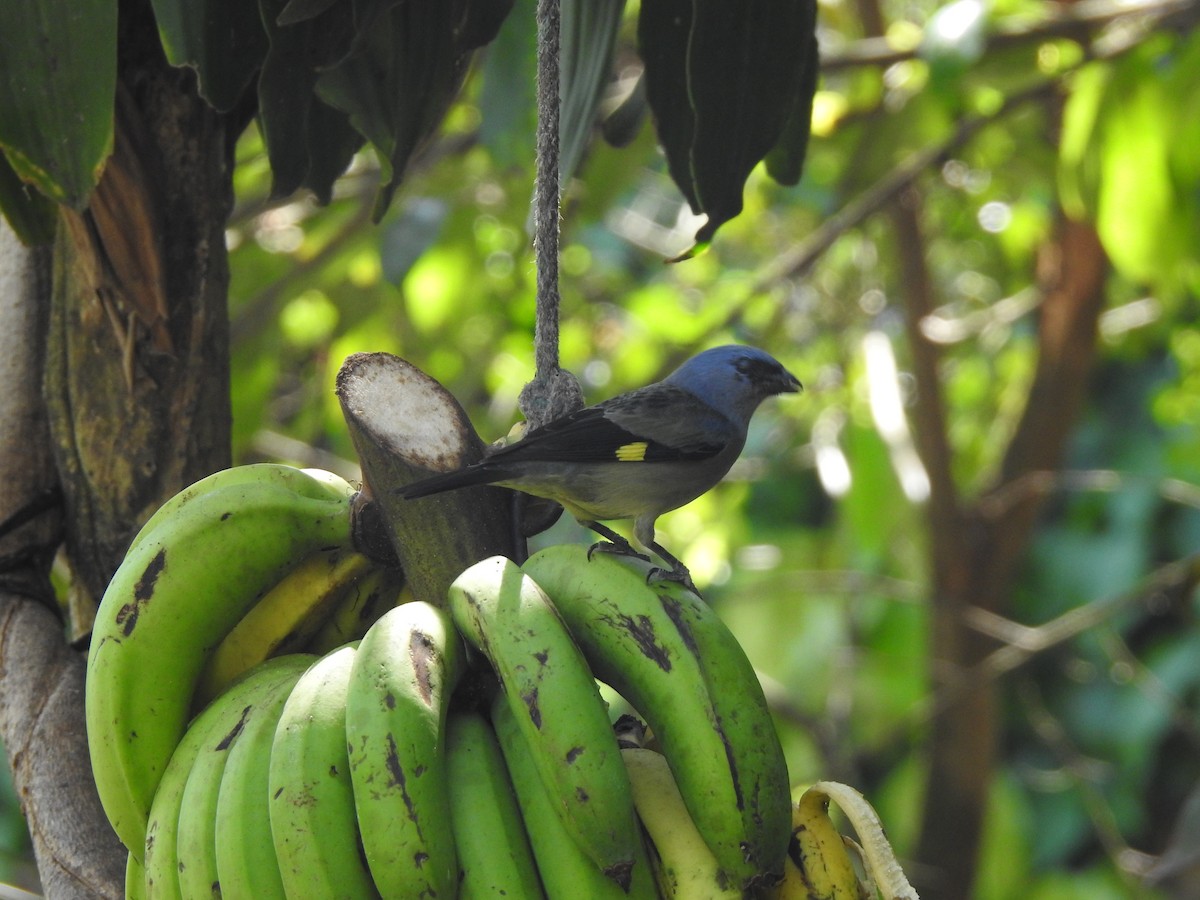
pixel 553 392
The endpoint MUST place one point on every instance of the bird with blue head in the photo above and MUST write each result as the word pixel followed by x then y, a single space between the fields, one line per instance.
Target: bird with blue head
pixel 639 454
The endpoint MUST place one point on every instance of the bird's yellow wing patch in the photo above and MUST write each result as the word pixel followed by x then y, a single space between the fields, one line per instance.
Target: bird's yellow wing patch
pixel 635 452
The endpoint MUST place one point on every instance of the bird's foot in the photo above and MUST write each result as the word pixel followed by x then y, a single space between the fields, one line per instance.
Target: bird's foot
pixel 623 548
pixel 679 574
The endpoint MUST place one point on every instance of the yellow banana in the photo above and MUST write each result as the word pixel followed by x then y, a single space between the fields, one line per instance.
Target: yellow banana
pixel 285 619
pixel 818 867
pixel 878 857
pixel 369 598
pixel 683 865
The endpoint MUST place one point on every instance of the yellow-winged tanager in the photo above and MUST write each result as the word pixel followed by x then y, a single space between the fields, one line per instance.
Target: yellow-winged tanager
pixel 639 454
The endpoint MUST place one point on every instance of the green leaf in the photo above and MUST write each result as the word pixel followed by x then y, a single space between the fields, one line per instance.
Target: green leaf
pixel 58 77
pixel 954 40
pixel 30 214
pixel 507 104
pixel 589 31
pixel 785 162
pixel 664 27
pixel 1078 171
pixel 308 143
pixel 223 40
pixel 398 83
pixel 1146 226
pixel 722 81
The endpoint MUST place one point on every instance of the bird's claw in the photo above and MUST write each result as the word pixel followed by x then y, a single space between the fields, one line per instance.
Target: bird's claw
pixel 616 550
pixel 679 575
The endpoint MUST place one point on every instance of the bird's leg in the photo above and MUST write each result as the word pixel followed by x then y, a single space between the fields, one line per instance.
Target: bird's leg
pixel 679 572
pixel 615 543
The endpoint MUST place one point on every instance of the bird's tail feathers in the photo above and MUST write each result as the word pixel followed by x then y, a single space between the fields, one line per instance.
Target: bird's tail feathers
pixel 450 481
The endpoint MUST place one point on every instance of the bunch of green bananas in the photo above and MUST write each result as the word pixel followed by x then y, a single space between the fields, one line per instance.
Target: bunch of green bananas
pixel 247 563
pixel 351 744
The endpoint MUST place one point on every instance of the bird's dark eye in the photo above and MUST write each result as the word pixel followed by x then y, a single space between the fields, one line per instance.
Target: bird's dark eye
pixel 751 368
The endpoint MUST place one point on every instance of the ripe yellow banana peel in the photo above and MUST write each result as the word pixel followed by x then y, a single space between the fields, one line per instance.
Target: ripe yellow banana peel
pixel 819 864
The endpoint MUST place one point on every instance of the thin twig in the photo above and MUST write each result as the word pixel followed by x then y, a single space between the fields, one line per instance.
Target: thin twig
pixel 1076 20
pixel 1174 579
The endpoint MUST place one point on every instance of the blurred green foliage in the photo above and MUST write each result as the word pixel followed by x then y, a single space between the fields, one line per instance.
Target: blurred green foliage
pixel 815 549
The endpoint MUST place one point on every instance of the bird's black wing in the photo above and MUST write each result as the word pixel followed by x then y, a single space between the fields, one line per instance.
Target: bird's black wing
pixel 657 424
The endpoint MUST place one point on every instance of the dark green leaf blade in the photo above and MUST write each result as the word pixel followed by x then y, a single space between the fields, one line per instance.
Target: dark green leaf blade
pixel 305 138
pixel 743 73
pixel 30 213
pixel 58 77
pixel 664 29
pixel 589 32
pixel 223 40
pixel 785 161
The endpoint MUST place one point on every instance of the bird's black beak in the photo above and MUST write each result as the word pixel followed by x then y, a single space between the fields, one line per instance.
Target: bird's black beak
pixel 787 383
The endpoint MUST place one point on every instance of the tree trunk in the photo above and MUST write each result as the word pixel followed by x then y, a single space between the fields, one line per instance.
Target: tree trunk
pixel 117 395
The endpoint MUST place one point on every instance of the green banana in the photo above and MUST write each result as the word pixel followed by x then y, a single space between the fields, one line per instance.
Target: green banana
pixel 404 672
pixel 178 592
pixel 557 706
pixel 665 651
pixel 215 726
pixel 683 865
pixel 311 798
pixel 286 618
pixel 196 832
pixel 135 879
pixel 494 856
pixel 247 868
pixel 315 483
pixel 566 870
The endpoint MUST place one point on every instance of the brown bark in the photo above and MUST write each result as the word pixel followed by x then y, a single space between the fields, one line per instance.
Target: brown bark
pixel 115 363
pixel 976 559
pixel 137 374
pixel 41 677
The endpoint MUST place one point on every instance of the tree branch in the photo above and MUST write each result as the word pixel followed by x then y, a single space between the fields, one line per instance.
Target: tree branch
pixel 41 677
pixel 1075 21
